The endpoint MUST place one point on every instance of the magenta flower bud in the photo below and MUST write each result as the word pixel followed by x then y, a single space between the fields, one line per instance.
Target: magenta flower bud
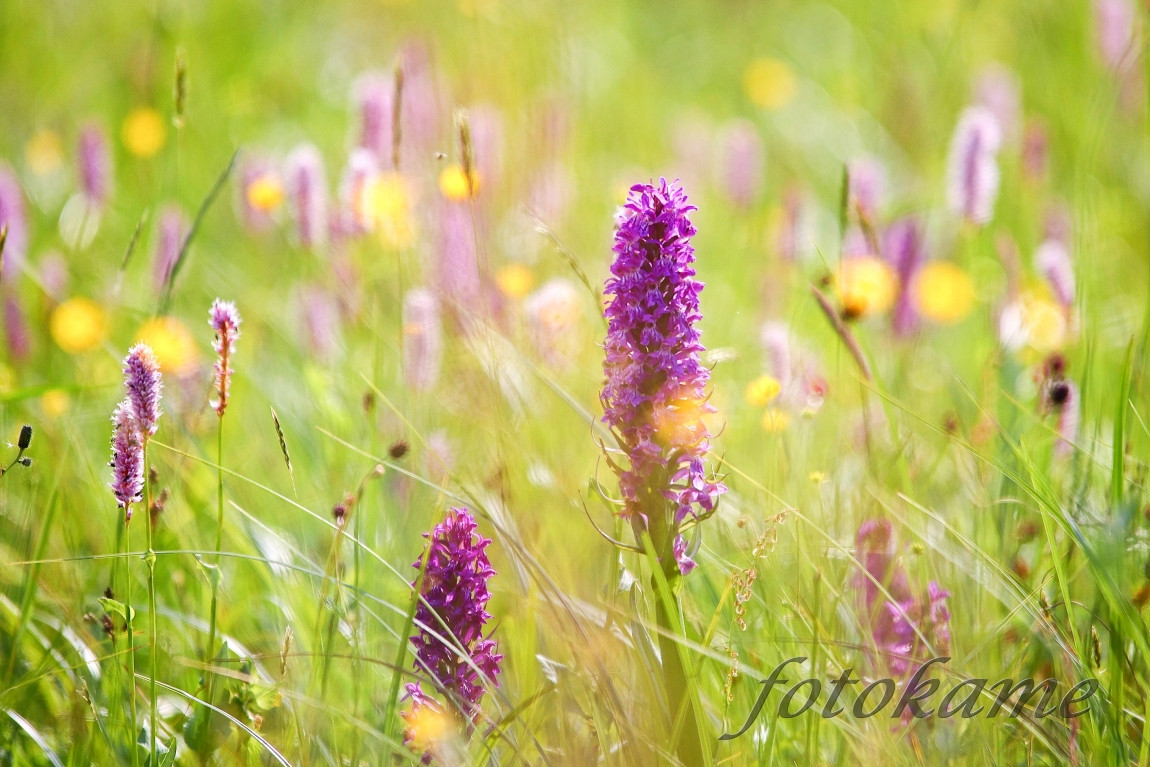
pixel 374 94
pixel 225 321
pixel 172 230
pixel 905 250
pixel 972 172
pixel 450 646
pixel 422 339
pixel 744 160
pixel 866 191
pixel 307 189
pixel 458 263
pixel 1069 413
pixel 654 394
pixel 1114 22
pixel 1053 262
pixel 144 383
pixel 682 558
pixel 95 165
pixel 16 332
pixel 12 215
pixel 998 90
pixel 362 168
pixel 127 458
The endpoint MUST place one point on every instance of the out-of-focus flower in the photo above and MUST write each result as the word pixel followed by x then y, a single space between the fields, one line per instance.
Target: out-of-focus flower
pixel 458 264
pixel 1033 320
pixel 905 250
pixel 426 724
pixel 44 153
pixel 12 215
pixel 652 369
pixel 320 322
pixel 225 321
pixel 486 124
pixel 769 83
pixel 172 342
pixel 77 325
pixel 514 280
pixel 454 184
pixel 388 200
pixel 374 94
pixel 997 89
pixel 1053 262
pixel 867 187
pixel 307 189
pixel 262 193
pixel 354 187
pixel 744 160
pixel 943 292
pixel 1065 403
pixel 803 388
pixel 16 333
pixel 553 315
pixel 95 165
pixel 55 403
pixel 1115 31
pixel 762 390
pixel 172 230
pixel 775 421
pixel 865 286
pixel 972 170
pixel 143 132
pixel 1034 151
pixel 422 339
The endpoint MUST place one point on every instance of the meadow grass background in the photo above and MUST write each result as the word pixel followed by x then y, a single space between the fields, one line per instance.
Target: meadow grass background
pixel 953 448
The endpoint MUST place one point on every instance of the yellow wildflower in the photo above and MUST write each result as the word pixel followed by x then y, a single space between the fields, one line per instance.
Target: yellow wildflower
pixel 865 286
pixel 44 152
pixel 762 390
pixel 453 183
pixel 514 280
pixel 775 421
pixel 265 193
pixel 172 343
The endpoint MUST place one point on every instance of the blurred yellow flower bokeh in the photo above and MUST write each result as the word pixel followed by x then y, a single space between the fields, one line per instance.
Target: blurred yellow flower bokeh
pixel 172 342
pixel 144 132
pixel 453 183
pixel 77 325
pixel 943 293
pixel 388 202
pixel 865 286
pixel 515 280
pixel 762 390
pixel 265 193
pixel 44 152
pixel 769 83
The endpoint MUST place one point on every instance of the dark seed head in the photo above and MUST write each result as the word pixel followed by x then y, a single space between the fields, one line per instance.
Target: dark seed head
pixel 1058 393
pixel 25 437
pixel 398 449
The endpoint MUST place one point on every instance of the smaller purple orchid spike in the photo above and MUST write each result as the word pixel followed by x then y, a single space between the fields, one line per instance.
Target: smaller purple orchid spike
pixel 450 646
pixel 458 264
pixel 127 458
pixel 225 321
pixel 972 174
pixel 362 168
pixel 144 383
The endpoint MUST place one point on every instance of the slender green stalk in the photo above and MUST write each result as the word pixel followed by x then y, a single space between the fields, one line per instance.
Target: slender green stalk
pixel 150 558
pixel 131 638
pixel 210 652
